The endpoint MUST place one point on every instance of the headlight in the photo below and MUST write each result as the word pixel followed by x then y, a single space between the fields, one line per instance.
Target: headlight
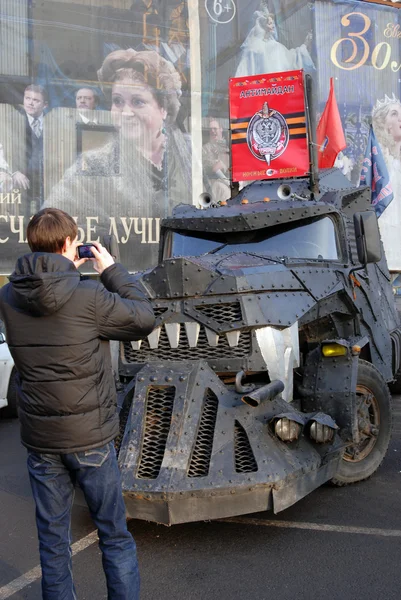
pixel 287 430
pixel 321 433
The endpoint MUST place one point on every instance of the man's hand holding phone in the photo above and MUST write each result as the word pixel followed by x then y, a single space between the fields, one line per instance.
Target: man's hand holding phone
pixel 97 254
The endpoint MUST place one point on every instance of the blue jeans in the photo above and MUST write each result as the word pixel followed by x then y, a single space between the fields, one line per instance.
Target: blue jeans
pixel 52 480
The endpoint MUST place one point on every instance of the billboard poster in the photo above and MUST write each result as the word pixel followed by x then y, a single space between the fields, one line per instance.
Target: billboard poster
pixel 101 101
pixel 268 126
pixel 95 119
pixel 356 43
pixel 359 46
pixel 238 40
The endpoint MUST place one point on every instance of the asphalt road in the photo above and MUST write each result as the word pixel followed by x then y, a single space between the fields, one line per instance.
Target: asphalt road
pixel 337 543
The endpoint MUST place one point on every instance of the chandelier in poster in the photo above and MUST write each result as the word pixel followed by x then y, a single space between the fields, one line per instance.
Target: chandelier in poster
pixel 268 126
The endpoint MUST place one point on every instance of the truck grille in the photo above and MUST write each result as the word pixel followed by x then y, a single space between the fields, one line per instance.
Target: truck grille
pixel 228 312
pixel 244 458
pixel 159 310
pixel 159 410
pixel 200 461
pixel 203 350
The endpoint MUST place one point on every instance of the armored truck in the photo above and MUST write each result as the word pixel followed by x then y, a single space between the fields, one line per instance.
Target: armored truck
pixel 267 372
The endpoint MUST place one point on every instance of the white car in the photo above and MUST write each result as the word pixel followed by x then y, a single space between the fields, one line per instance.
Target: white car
pixel 8 387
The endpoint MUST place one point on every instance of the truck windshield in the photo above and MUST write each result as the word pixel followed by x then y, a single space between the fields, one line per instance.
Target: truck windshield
pixel 313 239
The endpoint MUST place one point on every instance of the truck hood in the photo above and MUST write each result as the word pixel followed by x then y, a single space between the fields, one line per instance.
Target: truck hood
pixel 220 275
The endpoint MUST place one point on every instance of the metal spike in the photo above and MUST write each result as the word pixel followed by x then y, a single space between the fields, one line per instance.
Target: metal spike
pixel 233 338
pixel 136 345
pixel 173 334
pixel 212 337
pixel 192 329
pixel 153 338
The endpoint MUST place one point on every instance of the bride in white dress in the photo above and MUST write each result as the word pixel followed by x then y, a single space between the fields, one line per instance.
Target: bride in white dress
pixel 386 121
pixel 262 53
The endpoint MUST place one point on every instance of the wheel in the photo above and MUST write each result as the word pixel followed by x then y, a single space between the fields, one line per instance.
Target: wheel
pixel 361 460
pixel 11 411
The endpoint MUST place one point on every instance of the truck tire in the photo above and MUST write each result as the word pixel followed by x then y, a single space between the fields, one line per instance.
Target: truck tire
pixel 374 416
pixel 11 410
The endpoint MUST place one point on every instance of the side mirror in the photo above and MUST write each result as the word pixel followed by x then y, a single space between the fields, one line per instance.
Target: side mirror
pixel 2 338
pixel 367 237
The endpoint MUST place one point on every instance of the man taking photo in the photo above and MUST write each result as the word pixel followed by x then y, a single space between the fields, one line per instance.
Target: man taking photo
pixel 58 330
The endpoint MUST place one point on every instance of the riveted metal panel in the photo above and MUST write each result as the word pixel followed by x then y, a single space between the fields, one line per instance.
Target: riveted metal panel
pixel 319 282
pixel 357 200
pixel 378 316
pixel 246 217
pixel 177 278
pixel 329 385
pixel 279 308
pixel 244 455
pixel 333 316
pixel 257 278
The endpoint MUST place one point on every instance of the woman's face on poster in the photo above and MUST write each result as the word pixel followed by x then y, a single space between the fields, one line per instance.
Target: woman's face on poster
pixel 136 110
pixel 393 122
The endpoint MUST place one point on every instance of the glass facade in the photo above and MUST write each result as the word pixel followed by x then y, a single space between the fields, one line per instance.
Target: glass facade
pixel 117 110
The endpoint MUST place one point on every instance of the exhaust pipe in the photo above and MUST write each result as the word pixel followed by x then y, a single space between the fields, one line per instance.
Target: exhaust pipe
pixel 267 392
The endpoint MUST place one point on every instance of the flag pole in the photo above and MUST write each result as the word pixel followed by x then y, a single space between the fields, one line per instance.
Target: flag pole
pixel 311 124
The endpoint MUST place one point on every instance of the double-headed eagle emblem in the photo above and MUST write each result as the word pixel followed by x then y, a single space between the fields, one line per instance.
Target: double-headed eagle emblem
pixel 267 134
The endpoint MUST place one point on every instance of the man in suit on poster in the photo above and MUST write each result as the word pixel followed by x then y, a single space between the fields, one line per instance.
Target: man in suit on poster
pixel 34 105
pixel 86 101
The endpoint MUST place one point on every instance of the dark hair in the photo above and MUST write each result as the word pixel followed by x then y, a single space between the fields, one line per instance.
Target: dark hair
pixel 39 89
pixel 48 230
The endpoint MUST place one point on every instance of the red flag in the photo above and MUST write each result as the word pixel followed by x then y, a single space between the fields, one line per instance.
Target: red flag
pixel 329 133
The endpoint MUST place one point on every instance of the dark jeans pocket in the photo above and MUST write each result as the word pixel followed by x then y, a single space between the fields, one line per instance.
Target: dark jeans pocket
pixel 94 457
pixel 43 463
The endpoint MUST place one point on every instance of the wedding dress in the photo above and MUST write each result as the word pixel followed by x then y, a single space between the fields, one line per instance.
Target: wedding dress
pixel 262 53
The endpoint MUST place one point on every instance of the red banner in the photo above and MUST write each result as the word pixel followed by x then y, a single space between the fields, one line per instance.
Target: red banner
pixel 268 126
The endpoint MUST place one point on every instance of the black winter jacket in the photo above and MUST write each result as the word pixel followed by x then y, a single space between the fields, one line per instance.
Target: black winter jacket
pixel 58 326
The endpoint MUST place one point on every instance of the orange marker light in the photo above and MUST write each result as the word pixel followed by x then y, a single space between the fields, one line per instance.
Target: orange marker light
pixel 244 201
pixel 266 199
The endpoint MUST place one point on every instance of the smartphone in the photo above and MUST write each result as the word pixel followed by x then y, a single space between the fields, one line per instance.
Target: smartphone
pixel 85 251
